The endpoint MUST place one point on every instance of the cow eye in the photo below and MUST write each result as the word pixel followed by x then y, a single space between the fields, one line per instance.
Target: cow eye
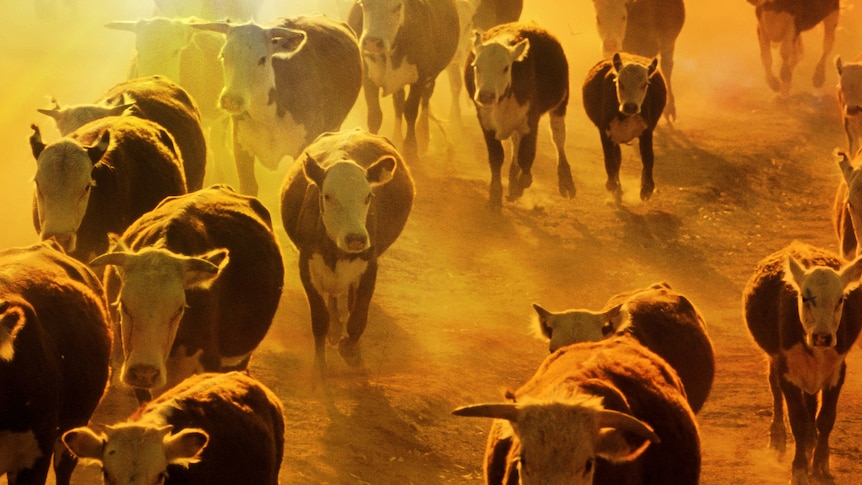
pixel 506 70
pixel 588 467
pixel 368 199
pixel 261 61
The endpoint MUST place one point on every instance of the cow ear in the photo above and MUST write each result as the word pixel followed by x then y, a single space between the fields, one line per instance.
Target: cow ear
pixel 477 39
pixel 794 272
pixel 186 446
pixel 84 443
pixel 844 164
pixel 314 173
pixel 201 271
pixel 12 320
pixel 219 27
pixel 613 441
pixel 851 274
pixel 381 171
pixel 507 411
pixel 36 145
pixel 617 62
pixel 838 65
pixel 612 319
pixel 520 50
pixel 544 321
pixel 126 25
pixel 286 42
pixel 652 66
pixel 97 150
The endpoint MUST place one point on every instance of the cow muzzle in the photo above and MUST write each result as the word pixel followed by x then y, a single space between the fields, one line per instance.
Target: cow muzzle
pixel 69 240
pixel 232 103
pixel 142 376
pixel 356 243
pixel 820 340
pixel 629 108
pixel 486 98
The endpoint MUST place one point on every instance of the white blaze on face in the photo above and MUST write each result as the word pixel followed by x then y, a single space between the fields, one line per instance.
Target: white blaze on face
pixel 137 454
pixel 63 185
pixel 611 22
pixel 820 298
pixel 492 67
pixel 632 81
pixel 159 44
pixel 381 20
pixel 850 88
pixel 574 326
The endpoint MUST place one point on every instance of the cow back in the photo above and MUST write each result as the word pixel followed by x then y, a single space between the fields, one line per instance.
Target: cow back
pixel 806 13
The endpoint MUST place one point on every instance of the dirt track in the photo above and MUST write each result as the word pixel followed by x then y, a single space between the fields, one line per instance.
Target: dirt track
pixel 738 176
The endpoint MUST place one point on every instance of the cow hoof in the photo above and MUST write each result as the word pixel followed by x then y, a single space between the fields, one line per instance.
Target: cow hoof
pixel 774 83
pixel 647 191
pixel 567 189
pixel 799 476
pixel 819 76
pixel 349 350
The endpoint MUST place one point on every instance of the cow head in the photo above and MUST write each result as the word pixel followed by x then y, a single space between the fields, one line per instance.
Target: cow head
pixel 381 20
pixel 611 22
pixel 820 298
pixel 632 81
pixel 151 304
pixel 573 326
pixel 492 67
pixel 64 180
pixel 560 440
pixel 134 454
pixel 247 58
pixel 853 200
pixel 849 87
pixel 70 118
pixel 346 191
pixel 159 44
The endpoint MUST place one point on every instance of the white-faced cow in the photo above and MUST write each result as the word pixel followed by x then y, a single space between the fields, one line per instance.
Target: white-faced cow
pixel 215 429
pixel 154 98
pixel 624 97
pixel 197 283
pixel 782 22
pixel 850 100
pixel 803 307
pixel 342 207
pixel 661 319
pixel 285 84
pixel 515 74
pixel 606 412
pixel 646 28
pixel 100 178
pixel 404 42
pixel 55 345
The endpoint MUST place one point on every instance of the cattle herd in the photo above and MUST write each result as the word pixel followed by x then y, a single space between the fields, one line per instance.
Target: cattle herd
pixel 172 282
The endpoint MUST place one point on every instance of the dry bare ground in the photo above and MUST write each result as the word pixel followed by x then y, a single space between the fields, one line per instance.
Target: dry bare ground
pixel 739 175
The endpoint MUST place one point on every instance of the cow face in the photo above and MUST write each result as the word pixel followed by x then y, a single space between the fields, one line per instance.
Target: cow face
pixel 632 82
pixel 559 441
pixel 381 20
pixel 820 298
pixel 70 118
pixel 346 191
pixel 151 304
pixel 247 60
pixel 159 44
pixel 492 67
pixel 64 181
pixel 850 87
pixel 132 454
pixel 611 22
pixel 573 326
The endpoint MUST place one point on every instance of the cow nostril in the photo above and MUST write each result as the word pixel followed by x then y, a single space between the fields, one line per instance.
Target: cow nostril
pixel 231 103
pixel 821 340
pixel 852 110
pixel 630 108
pixel 356 242
pixel 142 376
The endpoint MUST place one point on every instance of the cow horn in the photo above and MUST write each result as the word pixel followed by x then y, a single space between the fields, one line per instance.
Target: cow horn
pixel 126 25
pixel 607 418
pixel 115 259
pixel 508 412
pixel 220 27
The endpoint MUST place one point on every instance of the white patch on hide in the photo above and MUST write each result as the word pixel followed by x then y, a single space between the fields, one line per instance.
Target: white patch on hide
pixel 505 117
pixel 336 285
pixel 269 137
pixel 388 79
pixel 812 373
pixel 18 451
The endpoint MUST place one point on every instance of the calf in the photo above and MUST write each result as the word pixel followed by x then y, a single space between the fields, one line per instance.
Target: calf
pixel 55 343
pixel 647 28
pixel 198 282
pixel 404 42
pixel 211 428
pixel 100 178
pixel 781 22
pixel 802 306
pixel 847 208
pixel 609 412
pixel 624 97
pixel 276 79
pixel 153 98
pixel 342 207
pixel 661 319
pixel 515 74
pixel 850 100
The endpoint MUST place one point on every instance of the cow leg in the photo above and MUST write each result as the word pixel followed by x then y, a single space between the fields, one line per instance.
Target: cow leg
pixel 398 105
pixel 791 53
pixel 453 72
pixel 64 463
pixel 766 57
pixel 830 23
pixel 777 432
pixel 423 135
pixel 244 162
pixel 411 111
pixel 35 475
pixel 613 160
pixel 358 319
pixel 372 100
pixel 319 316
pixel 564 171
pixel 666 69
pixel 647 159
pixel 525 147
pixel 800 426
pixel 495 160
pixel 825 422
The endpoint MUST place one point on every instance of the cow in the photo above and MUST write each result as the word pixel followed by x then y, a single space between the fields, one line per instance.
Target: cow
pixel 850 99
pixel 781 22
pixel 342 207
pixel 609 412
pixel 404 42
pixel 647 28
pixel 100 178
pixel 661 319
pixel 155 98
pixel 624 97
pixel 55 347
pixel 846 215
pixel 515 73
pixel 284 84
pixel 196 282
pixel 211 428
pixel 802 306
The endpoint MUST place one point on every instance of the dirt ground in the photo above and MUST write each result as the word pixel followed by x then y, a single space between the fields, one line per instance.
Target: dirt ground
pixel 740 174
